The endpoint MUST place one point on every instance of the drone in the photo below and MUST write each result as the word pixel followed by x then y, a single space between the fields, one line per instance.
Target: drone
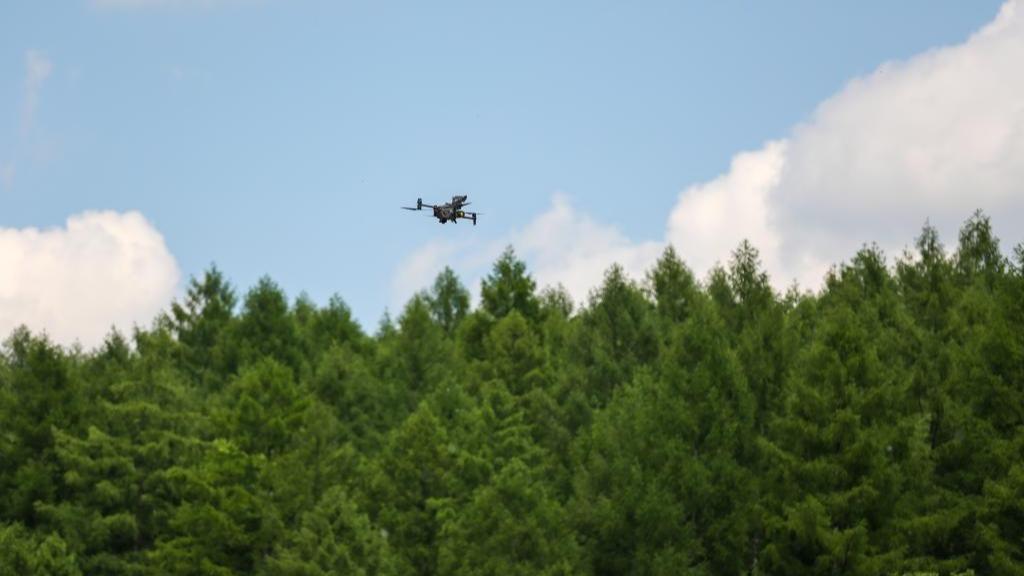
pixel 447 211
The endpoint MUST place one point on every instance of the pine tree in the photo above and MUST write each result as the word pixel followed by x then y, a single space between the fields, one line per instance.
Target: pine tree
pixel 851 444
pixel 319 329
pixel 511 526
pixel 673 286
pixel 419 355
pixel 408 480
pixel 265 327
pixel 40 392
pixel 448 301
pixel 617 334
pixel 335 537
pixel 508 287
pixel 977 255
pixel 514 354
pixel 200 321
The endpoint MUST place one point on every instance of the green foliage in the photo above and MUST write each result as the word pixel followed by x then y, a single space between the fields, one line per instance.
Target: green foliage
pixel 266 328
pixel 509 287
pixel 668 427
pixel 674 287
pixel 448 300
pixel 40 391
pixel 23 552
pixel 511 526
pixel 617 334
pixel 333 538
pixel 365 406
pixel 199 322
pixel 514 354
pixel 419 355
pixel 978 256
pixel 412 474
pixel 321 329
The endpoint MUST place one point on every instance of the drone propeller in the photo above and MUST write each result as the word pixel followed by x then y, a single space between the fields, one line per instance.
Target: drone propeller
pixel 408 208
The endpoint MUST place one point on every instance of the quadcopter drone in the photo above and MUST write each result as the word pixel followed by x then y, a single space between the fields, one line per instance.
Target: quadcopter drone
pixel 448 211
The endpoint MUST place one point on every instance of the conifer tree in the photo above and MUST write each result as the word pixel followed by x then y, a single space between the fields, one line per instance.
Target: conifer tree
pixel 200 321
pixel 872 427
pixel 977 254
pixel 510 526
pixel 335 537
pixel 617 334
pixel 448 300
pixel 411 477
pixel 40 392
pixel 321 328
pixel 508 287
pixel 673 286
pixel 418 356
pixel 265 327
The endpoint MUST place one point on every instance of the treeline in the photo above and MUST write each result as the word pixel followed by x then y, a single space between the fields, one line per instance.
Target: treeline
pixel 671 426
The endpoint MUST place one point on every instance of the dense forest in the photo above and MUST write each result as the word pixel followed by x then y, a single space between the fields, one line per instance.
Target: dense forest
pixel 673 425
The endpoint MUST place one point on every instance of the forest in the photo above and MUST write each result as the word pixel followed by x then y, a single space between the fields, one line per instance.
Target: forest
pixel 667 425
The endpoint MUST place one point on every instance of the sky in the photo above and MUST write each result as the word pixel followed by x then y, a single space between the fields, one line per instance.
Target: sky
pixel 143 140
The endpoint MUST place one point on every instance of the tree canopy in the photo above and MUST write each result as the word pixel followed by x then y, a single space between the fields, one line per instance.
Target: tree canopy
pixel 667 425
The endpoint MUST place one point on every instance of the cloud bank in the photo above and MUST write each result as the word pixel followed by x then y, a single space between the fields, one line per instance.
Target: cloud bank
pixel 101 269
pixel 936 137
pixel 933 137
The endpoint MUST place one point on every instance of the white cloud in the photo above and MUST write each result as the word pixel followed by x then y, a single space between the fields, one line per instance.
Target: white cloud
pixel 102 269
pixel 937 136
pixel 711 219
pixel 568 248
pixel 75 282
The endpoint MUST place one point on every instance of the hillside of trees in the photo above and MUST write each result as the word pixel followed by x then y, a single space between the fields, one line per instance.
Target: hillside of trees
pixel 674 425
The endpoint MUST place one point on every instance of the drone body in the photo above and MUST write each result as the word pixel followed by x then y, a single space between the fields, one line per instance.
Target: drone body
pixel 447 212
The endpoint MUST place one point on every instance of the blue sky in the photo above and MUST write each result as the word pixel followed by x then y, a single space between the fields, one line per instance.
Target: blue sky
pixel 279 138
